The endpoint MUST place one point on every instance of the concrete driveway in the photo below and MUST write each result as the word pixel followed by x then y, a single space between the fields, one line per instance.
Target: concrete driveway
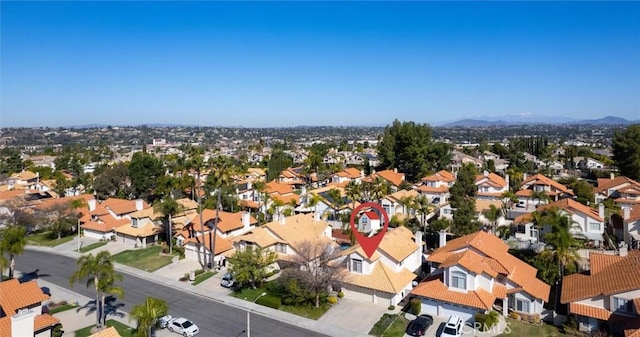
pixel 353 315
pixel 468 331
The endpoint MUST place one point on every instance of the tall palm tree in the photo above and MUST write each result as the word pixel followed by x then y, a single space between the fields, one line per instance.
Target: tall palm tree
pixel 312 201
pixel 169 207
pixel 260 187
pixel 93 269
pixel 353 192
pixel 13 242
pixel 380 188
pixel 107 286
pixel 196 162
pixel 492 214
pixel 147 314
pixel 336 201
pixel 276 208
pixel 565 245
pixel 3 265
pixel 423 208
pixel 406 203
pixel 540 196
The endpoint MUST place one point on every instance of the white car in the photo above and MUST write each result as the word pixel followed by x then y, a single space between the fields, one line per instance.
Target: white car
pixel 453 328
pixel 183 326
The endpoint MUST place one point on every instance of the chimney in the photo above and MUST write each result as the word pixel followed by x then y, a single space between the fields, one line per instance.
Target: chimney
pixel 23 323
pixel 395 170
pixel 524 176
pixel 92 205
pixel 418 240
pixel 139 204
pixel 316 216
pixel 246 220
pixel 506 178
pixel 623 250
pixel 443 238
pixel 601 210
pixel 283 219
pixel 626 213
pixel 612 176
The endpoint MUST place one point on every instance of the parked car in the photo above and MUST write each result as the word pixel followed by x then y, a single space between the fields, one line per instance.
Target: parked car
pixel 228 281
pixel 435 200
pixel 183 326
pixel 419 326
pixel 164 320
pixel 521 204
pixel 453 328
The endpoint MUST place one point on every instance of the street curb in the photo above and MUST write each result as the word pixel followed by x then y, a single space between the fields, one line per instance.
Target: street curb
pixel 266 312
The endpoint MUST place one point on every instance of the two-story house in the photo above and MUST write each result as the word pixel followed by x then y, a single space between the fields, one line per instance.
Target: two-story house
pixel 394 178
pixel 398 204
pixel 386 277
pixel 540 183
pixel 472 273
pixel 588 223
pixel 608 297
pixel 491 186
pixel 631 226
pixel 612 188
pixel 346 175
pixel 291 176
pixel 144 228
pixel 369 221
pixel 436 186
pixel 103 218
pixel 21 310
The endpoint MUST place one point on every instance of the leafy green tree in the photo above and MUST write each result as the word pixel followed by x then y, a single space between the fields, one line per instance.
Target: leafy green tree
pixel 463 194
pixel 565 245
pixel 60 218
pixel 277 162
pixel 113 181
pixel 93 269
pixel 493 214
pixel 250 265
pixel 583 192
pixel 144 172
pixel 353 191
pixel 12 242
pixel 626 151
pixel 10 161
pixel 408 147
pixel 147 315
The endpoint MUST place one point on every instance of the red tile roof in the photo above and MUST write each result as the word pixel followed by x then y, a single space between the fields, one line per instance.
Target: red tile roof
pixel 572 206
pixel 435 289
pixel 540 179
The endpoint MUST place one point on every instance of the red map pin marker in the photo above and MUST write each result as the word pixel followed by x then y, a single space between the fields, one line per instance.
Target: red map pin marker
pixel 369 244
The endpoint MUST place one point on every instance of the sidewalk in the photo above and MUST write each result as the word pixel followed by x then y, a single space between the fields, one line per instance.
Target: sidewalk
pixel 208 290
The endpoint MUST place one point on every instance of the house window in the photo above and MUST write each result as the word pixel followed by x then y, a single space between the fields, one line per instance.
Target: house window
pixel 134 223
pixel 594 226
pixel 356 266
pixel 484 189
pixel 459 280
pixel 522 305
pixel 621 304
pixel 447 211
pixel 281 248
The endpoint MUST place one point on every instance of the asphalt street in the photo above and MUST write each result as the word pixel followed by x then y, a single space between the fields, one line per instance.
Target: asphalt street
pixel 214 319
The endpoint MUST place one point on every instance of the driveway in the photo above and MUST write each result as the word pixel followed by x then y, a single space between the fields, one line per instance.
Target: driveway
pixel 468 331
pixel 353 315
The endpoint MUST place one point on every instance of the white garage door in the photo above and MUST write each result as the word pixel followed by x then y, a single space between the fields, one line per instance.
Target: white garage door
pixel 357 293
pixel 467 314
pixel 429 307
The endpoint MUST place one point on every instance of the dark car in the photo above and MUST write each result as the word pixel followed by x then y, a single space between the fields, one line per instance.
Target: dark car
pixel 419 326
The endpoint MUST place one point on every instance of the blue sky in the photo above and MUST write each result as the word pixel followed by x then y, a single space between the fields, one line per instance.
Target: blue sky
pixel 315 63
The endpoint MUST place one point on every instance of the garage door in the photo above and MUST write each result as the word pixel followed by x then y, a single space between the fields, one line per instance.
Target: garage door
pixel 430 307
pixel 357 293
pixel 467 314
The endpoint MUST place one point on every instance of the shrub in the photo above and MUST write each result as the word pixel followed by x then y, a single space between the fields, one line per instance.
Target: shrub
pixel 57 330
pixel 416 306
pixel 490 320
pixel 270 301
pixel 340 294
pixel 332 300
pixel 514 315
pixel 391 307
pixel 199 271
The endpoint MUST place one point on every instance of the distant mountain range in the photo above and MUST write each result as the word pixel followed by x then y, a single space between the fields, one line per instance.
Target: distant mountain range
pixel 532 119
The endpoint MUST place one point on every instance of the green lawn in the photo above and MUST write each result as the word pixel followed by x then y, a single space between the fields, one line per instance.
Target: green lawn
pixel 92 246
pixel 202 277
pixel 147 259
pixel 519 328
pixel 391 326
pixel 62 308
pixel 307 311
pixel 42 239
pixel 123 330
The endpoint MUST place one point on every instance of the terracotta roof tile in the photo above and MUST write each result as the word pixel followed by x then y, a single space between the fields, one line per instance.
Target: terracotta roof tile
pixel 427 189
pixel 222 244
pixel 15 296
pixel 141 231
pixel 435 289
pixel 589 311
pixel 228 221
pixel 398 196
pixel 122 206
pixel 619 276
pixel 382 278
pixel 444 176
pixel 275 187
pixel 394 178
pixel 491 179
pixel 541 179
pixel 499 290
pixel 634 214
pixel 605 184
pixel 44 321
pixel 572 205
pixel 259 236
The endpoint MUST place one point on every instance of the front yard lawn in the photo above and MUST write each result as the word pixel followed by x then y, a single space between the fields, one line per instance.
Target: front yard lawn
pixel 308 311
pixel 396 325
pixel 147 259
pixel 202 277
pixel 123 330
pixel 520 328
pixel 62 308
pixel 92 246
pixel 44 239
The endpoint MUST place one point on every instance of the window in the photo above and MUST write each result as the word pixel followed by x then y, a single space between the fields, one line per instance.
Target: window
pixel 484 189
pixel 594 226
pixel 621 304
pixel 356 266
pixel 281 248
pixel 134 222
pixel 459 280
pixel 522 305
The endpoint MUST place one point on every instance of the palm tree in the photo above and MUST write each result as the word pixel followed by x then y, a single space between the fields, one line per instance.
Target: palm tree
pixel 276 208
pixel 261 188
pixel 423 208
pixel 13 243
pixel 169 207
pixel 380 188
pixel 492 214
pixel 147 314
pixel 3 265
pixel 353 192
pixel 336 201
pixel 93 269
pixel 196 162
pixel 406 203
pixel 107 286
pixel 312 201
pixel 565 245
pixel 540 196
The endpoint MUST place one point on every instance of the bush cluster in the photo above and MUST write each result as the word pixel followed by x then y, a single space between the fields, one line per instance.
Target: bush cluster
pixel 332 300
pixel 416 306
pixel 340 294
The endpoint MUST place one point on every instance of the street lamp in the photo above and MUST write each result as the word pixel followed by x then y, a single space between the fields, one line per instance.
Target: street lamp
pixel 249 311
